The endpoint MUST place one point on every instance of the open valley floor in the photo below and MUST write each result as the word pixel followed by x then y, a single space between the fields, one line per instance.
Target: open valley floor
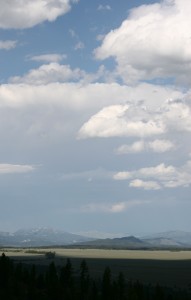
pixel 168 268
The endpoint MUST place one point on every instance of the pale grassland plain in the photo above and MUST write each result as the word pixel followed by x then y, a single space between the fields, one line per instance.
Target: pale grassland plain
pixel 124 254
pixel 102 253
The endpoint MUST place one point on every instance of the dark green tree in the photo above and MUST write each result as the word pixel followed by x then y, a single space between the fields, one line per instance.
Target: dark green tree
pixel 159 293
pixel 6 270
pixel 52 282
pixel 84 280
pixel 121 285
pixel 66 280
pixel 106 284
pixel 94 291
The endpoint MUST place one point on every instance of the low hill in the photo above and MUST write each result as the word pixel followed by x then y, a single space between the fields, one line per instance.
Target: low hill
pixel 130 242
pixel 168 240
pixel 164 243
pixel 173 238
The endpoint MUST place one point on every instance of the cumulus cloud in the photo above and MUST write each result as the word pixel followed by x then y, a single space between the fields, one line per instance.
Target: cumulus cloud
pixel 45 113
pixel 136 147
pixel 119 120
pixel 25 89
pixel 158 146
pixel 136 115
pixel 56 72
pixel 161 146
pixel 153 42
pixel 39 108
pixel 139 121
pixel 176 115
pixel 124 175
pixel 11 169
pixel 51 57
pixel 160 176
pixel 48 73
pixel 72 96
pixel 7 44
pixel 25 14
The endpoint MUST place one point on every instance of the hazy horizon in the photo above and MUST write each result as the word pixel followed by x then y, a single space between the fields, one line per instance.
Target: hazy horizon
pixel 171 234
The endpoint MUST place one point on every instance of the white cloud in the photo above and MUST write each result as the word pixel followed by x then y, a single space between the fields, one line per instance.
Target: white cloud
pixel 38 108
pixel 101 94
pixel 161 146
pixel 11 169
pixel 46 113
pixel 51 57
pixel 122 175
pixel 139 121
pixel 158 171
pixel 104 7
pixel 136 147
pixel 146 185
pixel 8 44
pixel 56 72
pixel 158 146
pixel 49 73
pixel 176 115
pixel 158 176
pixel 26 14
pixel 121 120
pixel 72 96
pixel 154 42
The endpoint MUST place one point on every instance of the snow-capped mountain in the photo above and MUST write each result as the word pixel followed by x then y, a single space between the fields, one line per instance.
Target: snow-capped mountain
pixel 39 237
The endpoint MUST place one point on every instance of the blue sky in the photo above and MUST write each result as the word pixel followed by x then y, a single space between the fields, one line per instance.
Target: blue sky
pixel 95 115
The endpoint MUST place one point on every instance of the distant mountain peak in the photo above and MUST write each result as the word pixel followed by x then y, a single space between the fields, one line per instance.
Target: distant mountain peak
pixel 41 236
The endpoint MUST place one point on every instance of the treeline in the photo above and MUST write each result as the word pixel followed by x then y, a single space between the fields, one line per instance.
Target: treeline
pixel 24 282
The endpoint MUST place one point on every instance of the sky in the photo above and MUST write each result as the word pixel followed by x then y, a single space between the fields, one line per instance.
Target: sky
pixel 95 115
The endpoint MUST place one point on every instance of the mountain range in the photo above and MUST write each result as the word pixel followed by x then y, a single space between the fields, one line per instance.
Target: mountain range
pixel 165 240
pixel 37 237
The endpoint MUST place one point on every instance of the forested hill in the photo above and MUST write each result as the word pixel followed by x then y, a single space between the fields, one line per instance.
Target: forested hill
pixel 124 242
